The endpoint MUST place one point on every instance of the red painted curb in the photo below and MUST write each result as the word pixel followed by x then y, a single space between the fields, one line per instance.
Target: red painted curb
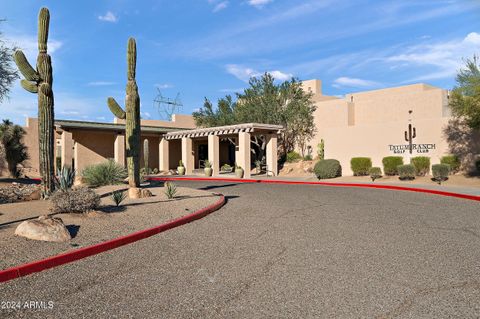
pixel 272 181
pixel 71 256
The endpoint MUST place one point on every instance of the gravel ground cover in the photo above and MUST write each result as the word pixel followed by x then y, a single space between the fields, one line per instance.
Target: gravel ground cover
pixel 107 223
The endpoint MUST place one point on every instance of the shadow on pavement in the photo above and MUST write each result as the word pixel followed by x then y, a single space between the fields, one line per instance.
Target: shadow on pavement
pixel 206 188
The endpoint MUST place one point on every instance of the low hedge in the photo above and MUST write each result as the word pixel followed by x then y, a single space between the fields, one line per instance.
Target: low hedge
pixel 406 172
pixel 329 168
pixel 453 161
pixel 440 172
pixel 422 165
pixel 360 165
pixel 390 164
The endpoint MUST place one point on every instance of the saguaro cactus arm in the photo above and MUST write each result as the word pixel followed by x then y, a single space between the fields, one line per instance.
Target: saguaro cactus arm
pixel 31 87
pixel 43 23
pixel 115 108
pixel 131 59
pixel 24 66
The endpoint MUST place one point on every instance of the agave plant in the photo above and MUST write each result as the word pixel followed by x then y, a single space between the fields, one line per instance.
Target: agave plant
pixel 65 178
pixel 118 197
pixel 170 190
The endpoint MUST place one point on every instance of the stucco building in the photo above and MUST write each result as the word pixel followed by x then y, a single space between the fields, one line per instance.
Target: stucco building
pixel 372 124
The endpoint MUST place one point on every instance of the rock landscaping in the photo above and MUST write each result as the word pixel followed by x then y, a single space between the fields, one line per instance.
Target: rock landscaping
pixel 16 192
pixel 106 222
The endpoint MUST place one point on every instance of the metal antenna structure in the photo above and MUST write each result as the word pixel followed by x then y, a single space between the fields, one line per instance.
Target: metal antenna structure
pixel 166 107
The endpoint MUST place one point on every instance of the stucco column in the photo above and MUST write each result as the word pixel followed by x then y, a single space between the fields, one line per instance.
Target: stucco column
pixel 66 144
pixel 214 153
pixel 119 149
pixel 244 153
pixel 187 155
pixel 272 157
pixel 163 155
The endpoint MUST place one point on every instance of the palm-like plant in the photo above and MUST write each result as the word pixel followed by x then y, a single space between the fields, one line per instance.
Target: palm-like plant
pixel 11 136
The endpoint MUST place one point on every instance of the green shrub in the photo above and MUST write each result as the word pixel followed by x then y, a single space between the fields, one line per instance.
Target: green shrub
pixel 13 148
pixel 58 162
pixel 440 172
pixel 308 157
pixel 170 190
pixel 375 173
pixel 65 178
pixel 422 165
pixel 329 168
pixel 390 164
pixel 453 161
pixel 321 150
pixel 226 168
pixel 75 200
pixel 118 196
pixel 293 157
pixel 406 172
pixel 360 165
pixel 107 173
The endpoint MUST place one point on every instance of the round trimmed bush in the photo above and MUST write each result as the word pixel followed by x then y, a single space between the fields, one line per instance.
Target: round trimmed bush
pixel 422 165
pixel 453 161
pixel 375 173
pixel 390 164
pixel 360 165
pixel 440 172
pixel 406 172
pixel 329 168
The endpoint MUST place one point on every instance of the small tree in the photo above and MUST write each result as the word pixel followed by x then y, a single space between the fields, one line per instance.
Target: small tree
pixel 11 136
pixel 465 97
pixel 8 74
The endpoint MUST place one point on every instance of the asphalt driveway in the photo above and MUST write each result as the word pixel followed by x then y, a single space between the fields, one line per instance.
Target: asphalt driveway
pixel 281 251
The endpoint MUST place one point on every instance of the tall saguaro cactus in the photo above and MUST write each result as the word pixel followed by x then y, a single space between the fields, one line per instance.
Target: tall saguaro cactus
pixel 39 81
pixel 132 117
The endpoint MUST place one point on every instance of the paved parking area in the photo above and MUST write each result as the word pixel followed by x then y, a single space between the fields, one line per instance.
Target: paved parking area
pixel 280 251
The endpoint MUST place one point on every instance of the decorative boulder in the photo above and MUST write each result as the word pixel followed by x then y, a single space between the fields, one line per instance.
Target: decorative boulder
pixel 134 192
pixel 146 193
pixel 44 228
pixel 35 195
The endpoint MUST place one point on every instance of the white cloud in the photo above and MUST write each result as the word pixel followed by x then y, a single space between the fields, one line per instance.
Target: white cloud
pixel 443 58
pixel 108 17
pixel 145 115
pixel 231 90
pixel 259 3
pixel 164 86
pixel 100 83
pixel 245 73
pixel 354 82
pixel 220 6
pixel 29 45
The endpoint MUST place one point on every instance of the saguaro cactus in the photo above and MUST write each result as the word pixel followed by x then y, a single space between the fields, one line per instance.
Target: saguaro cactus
pixel 145 155
pixel 39 81
pixel 409 136
pixel 132 117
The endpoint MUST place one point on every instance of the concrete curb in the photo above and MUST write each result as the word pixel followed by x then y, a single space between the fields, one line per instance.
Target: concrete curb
pixel 272 181
pixel 71 256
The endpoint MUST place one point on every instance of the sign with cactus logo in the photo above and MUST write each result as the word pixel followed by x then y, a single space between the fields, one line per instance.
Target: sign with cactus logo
pixel 411 147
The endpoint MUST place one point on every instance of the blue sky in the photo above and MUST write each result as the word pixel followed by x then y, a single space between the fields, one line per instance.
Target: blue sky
pixel 209 48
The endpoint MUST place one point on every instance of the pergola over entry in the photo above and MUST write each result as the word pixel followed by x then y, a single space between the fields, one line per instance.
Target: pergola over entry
pixel 241 133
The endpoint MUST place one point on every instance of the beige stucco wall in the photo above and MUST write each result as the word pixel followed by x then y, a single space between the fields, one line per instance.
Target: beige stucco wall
pixel 366 123
pixel 92 147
